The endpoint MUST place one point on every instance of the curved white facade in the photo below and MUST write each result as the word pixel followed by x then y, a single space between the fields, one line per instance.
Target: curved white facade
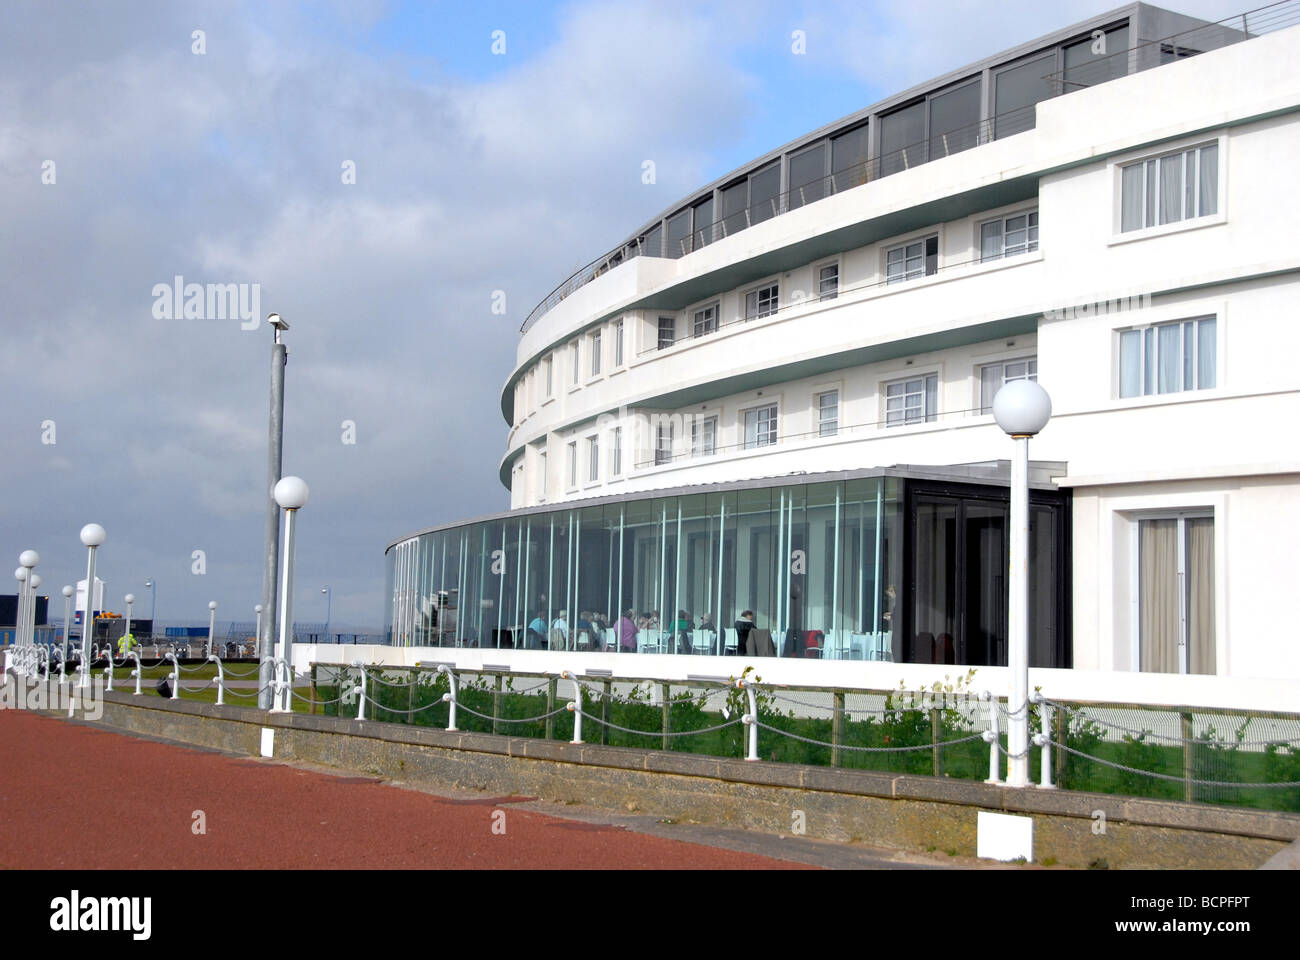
pixel 1133 245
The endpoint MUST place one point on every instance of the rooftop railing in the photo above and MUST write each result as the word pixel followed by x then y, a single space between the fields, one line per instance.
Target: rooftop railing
pixel 1142 56
pixel 1178 46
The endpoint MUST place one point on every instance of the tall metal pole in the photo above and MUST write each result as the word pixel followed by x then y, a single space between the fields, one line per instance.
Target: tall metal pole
pixel 212 623
pixel 92 535
pixel 20 621
pixel 286 602
pixel 271 548
pixel 67 618
pixel 1018 618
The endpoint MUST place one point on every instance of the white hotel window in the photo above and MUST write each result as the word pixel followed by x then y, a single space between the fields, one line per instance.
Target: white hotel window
pixel 667 332
pixel 1167 189
pixel 704 436
pixel 912 401
pixel 761 302
pixel 705 320
pixel 828 413
pixel 920 258
pixel 760 427
pixel 593 459
pixel 994 375
pixel 664 442
pixel 828 281
pixel 616 456
pixel 1175 583
pixel 618 342
pixel 573 360
pixel 573 464
pixel 549 363
pixel 1168 358
pixel 595 354
pixel 1009 236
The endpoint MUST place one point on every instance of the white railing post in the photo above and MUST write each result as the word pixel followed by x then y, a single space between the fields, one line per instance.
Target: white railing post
pixel 750 719
pixel 278 704
pixel 108 673
pixel 361 702
pixel 991 737
pixel 175 675
pixel 63 669
pixel 221 680
pixel 575 706
pixel 1043 740
pixel 137 672
pixel 450 698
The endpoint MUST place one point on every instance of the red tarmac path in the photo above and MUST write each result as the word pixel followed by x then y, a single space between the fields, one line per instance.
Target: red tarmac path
pixel 77 797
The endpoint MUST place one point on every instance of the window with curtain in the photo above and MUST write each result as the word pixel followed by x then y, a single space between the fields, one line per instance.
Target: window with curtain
pixel 1168 357
pixel 704 436
pixel 912 401
pixel 705 320
pixel 994 375
pixel 1009 236
pixel 828 413
pixel 911 260
pixel 1170 188
pixel 828 281
pixel 1176 594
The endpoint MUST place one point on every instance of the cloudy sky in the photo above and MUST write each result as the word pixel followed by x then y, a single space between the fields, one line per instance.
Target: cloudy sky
pixel 133 152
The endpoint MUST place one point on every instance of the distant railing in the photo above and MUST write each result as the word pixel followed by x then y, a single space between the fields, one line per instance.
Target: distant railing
pixel 1178 46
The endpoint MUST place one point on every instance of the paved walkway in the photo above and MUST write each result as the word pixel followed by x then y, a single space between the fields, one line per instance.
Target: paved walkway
pixel 78 797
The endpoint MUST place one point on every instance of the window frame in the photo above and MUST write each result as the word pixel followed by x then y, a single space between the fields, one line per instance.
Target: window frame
pixel 573 466
pixel 819 410
pixel 593 458
pixel 575 359
pixel 696 436
pixel 1182 514
pixel 927 415
pixel 820 296
pixel 616 452
pixel 595 347
pixel 709 326
pixel 1028 358
pixel 549 363
pixel 1148 373
pixel 1029 246
pixel 664 441
pixel 756 291
pixel 620 354
pixel 773 435
pixel 664 345
pixel 1117 165
pixel 907 276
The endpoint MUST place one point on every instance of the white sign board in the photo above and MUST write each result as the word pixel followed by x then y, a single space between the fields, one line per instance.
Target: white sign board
pixel 1001 836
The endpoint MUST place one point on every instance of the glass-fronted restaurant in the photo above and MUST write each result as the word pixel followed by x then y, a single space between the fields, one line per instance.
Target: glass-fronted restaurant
pixel 883 564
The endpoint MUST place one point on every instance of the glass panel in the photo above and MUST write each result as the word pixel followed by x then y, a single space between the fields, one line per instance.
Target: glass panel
pixel 1152 193
pixel 1170 355
pixel 1045 646
pixel 1171 188
pixel 704 229
pixel 1205 354
pixel 1199 601
pixel 764 187
pixel 1209 180
pixel 934 572
pixel 1189 185
pixel 1131 198
pixel 991 240
pixel 678 238
pixel 931 397
pixel 954 121
pixel 653 245
pixel 667 331
pixel 902 139
pixel 828 282
pixel 734 202
pixel 1086 68
pixel 1189 349
pixel 990 384
pixel 1018 89
pixel 1149 360
pixel 808 176
pixel 849 159
pixel 985 613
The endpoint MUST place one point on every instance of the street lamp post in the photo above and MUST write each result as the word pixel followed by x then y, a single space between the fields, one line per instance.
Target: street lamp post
pixel 93 536
pixel 329 603
pixel 130 602
pixel 33 582
pixel 67 618
pixel 1022 409
pixel 20 621
pixel 212 623
pixel 152 584
pixel 271 548
pixel 29 559
pixel 291 494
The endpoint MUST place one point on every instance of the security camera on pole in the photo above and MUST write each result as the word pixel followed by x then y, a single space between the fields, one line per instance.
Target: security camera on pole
pixel 1022 409
pixel 291 494
pixel 93 536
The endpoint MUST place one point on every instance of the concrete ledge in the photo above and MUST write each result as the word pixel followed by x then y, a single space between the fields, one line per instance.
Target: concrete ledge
pixel 892 810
